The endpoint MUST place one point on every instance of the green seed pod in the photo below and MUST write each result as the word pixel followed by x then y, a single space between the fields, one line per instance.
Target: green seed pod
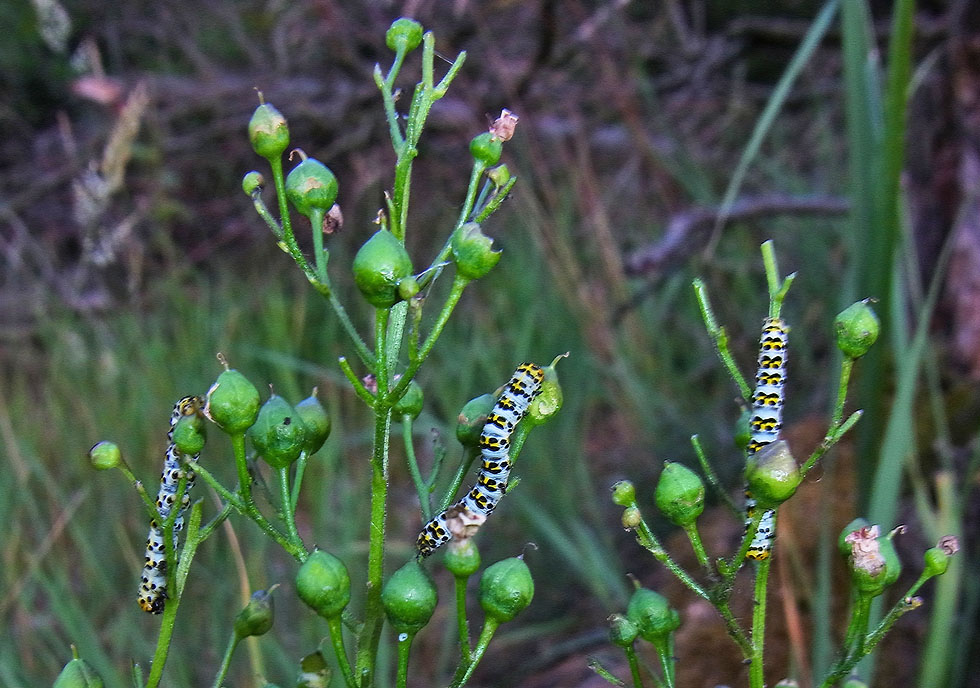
pixel 679 494
pixel 856 329
pixel 843 546
pixel 631 517
pixel 252 181
pixel 190 434
pixel 380 264
pixel 314 671
pixel 499 175
pixel 408 287
pixel 486 148
pixel 316 421
pixel 623 493
pixel 473 251
pixel 622 631
pixel 311 185
pixel 772 474
pixel 655 619
pixel 78 674
pixel 105 455
pixel 937 561
pixel 233 402
pixel 548 402
pixel 268 131
pixel 409 598
pixel 323 583
pixel 506 588
pixel 404 35
pixel 279 434
pixel 462 558
pixel 743 429
pixel 411 402
pixel 257 616
pixel 872 560
pixel 472 417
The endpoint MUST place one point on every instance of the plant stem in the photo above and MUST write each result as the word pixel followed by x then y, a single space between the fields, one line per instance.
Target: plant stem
pixel 469 454
pixel 720 339
pixel 757 665
pixel 336 626
pixel 413 468
pixel 649 541
pixel 286 505
pixel 404 650
pixel 319 255
pixel 709 473
pixel 462 623
pixel 226 661
pixel 489 627
pixel 634 666
pixel 301 462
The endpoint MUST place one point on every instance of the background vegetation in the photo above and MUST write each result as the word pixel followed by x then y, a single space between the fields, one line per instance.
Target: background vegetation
pixel 130 256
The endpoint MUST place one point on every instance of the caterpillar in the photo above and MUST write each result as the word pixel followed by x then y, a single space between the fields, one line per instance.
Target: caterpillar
pixel 472 510
pixel 153 583
pixel 766 422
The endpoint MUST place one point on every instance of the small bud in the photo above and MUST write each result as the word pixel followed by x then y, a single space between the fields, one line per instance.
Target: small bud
pixel 873 561
pixel 506 588
pixel 311 185
pixel 654 617
pixel 78 674
pixel 314 672
pixel 937 558
pixel 409 598
pixel 679 494
pixel 473 251
pixel 252 181
pixel 486 148
pixel 472 417
pixel 279 434
pixel 380 264
pixel 462 557
pixel 268 131
pixel 323 584
pixel 549 400
pixel 316 420
pixel 623 493
pixel 772 474
pixel 856 329
pixel 257 616
pixel 499 175
pixel 404 35
pixel 408 287
pixel 411 402
pixel 743 429
pixel 105 455
pixel 622 631
pixel 233 402
pixel 190 434
pixel 632 517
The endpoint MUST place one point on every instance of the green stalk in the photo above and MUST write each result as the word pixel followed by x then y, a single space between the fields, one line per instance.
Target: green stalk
pixel 649 541
pixel 489 628
pixel 163 642
pixel 469 454
pixel 301 462
pixel 319 255
pixel 720 339
pixel 226 660
pixel 634 666
pixel 286 505
pixel 413 468
pixel 712 477
pixel 404 650
pixel 462 623
pixel 757 665
pixel 336 627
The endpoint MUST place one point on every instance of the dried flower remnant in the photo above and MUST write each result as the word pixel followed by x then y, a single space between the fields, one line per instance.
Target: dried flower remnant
pixel 866 550
pixel 503 127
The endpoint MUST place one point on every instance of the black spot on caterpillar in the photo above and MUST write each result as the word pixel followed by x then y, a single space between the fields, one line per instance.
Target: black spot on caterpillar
pixel 491 482
pixel 153 583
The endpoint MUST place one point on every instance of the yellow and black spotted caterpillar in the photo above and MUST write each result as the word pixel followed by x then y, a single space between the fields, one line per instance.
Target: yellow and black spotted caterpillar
pixel 153 584
pixel 767 420
pixel 513 403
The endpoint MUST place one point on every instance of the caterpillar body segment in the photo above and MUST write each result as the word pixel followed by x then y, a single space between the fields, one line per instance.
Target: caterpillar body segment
pixel 480 501
pixel 153 582
pixel 766 422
